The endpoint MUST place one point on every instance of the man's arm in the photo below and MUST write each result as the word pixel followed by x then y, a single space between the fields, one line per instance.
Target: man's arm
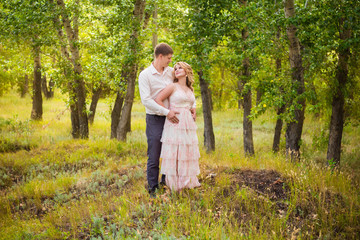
pixel 144 88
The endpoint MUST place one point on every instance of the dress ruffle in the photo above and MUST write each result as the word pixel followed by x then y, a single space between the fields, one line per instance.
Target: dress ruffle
pixel 177 183
pixel 180 151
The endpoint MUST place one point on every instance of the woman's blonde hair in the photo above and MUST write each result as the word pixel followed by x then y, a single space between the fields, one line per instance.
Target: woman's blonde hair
pixel 189 74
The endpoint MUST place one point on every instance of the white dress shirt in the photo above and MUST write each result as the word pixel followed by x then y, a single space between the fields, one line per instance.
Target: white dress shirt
pixel 151 82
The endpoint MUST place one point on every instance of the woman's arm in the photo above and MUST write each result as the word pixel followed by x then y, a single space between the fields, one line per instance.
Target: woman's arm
pixel 164 94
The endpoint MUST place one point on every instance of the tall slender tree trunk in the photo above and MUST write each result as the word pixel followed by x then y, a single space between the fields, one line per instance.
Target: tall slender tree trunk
pixel 211 100
pixel 221 87
pixel 94 101
pixel 240 88
pixel 259 93
pixel 48 93
pixel 51 88
pixel 25 86
pixel 247 123
pixel 294 128
pixel 72 33
pixel 131 68
pixel 281 109
pixel 209 137
pixel 74 114
pixel 125 118
pixel 337 115
pixel 278 128
pixel 37 111
pixel 247 104
pixel 116 113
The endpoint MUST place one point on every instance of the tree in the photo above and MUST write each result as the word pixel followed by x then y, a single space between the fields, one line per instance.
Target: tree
pixel 27 22
pixel 247 101
pixel 70 44
pixel 297 102
pixel 130 69
pixel 201 31
pixel 336 44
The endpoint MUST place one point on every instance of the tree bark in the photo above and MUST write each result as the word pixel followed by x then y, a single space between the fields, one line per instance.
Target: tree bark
pixel 247 123
pixel 278 128
pixel 72 33
pixel 240 88
pixel 209 137
pixel 130 69
pixel 25 86
pixel 280 110
pixel 258 95
pixel 116 113
pixel 125 118
pixel 75 121
pixel 294 128
pixel 74 113
pixel 37 111
pixel 51 88
pixel 211 100
pixel 221 87
pixel 247 103
pixel 337 115
pixel 45 89
pixel 94 101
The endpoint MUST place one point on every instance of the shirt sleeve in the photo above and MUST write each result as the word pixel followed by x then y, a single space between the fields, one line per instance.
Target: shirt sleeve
pixel 149 103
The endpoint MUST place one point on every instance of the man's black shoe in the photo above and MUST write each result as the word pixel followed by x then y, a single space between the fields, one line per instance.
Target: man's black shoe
pixel 152 191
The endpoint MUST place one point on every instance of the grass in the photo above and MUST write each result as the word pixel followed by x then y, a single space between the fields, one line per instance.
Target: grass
pixel 54 187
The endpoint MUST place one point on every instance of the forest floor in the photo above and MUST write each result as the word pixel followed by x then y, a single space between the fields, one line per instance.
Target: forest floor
pixel 54 187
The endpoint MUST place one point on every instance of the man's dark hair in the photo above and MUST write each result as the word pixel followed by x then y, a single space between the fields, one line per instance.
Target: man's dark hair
pixel 164 49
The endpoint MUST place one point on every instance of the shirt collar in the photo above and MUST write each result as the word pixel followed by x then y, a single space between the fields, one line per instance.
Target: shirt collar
pixel 154 71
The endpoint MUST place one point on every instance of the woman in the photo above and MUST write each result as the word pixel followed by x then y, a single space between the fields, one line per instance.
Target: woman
pixel 180 152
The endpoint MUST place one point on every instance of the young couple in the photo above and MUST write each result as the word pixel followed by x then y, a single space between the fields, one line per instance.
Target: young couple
pixel 168 96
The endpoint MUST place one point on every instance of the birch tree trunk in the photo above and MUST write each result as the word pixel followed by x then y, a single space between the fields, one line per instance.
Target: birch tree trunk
pixel 37 111
pixel 25 86
pixel 125 118
pixel 247 104
pixel 74 116
pixel 116 113
pixel 130 72
pixel 240 89
pixel 72 33
pixel 337 115
pixel 94 101
pixel 280 110
pixel 247 123
pixel 209 137
pixel 45 89
pixel 294 128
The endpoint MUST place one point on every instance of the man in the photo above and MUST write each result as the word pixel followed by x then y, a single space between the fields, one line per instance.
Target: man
pixel 151 81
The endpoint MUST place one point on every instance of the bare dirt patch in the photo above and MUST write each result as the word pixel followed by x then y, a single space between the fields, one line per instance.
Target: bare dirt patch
pixel 266 182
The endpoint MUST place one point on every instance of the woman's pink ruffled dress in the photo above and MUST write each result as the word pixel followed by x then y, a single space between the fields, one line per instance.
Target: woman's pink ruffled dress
pixel 180 151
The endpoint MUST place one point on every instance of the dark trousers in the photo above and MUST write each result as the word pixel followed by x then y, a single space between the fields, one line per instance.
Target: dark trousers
pixel 154 129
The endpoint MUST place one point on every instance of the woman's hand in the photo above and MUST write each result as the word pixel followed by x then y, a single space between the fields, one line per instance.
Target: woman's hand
pixel 193 113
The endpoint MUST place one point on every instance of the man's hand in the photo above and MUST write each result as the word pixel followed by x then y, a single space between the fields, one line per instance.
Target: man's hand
pixel 172 116
pixel 193 113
